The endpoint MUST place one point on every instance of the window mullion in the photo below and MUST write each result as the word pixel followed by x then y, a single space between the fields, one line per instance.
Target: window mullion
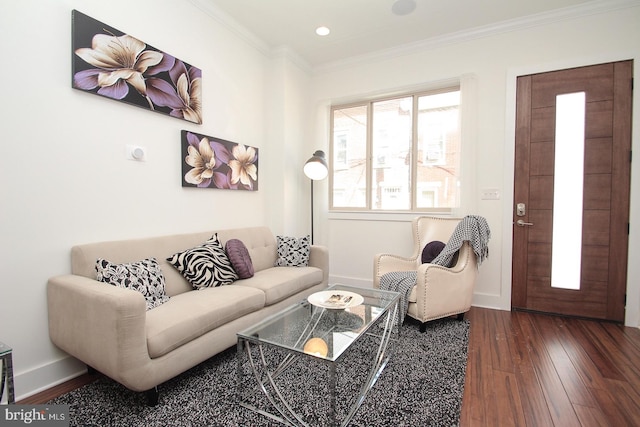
pixel 414 154
pixel 369 168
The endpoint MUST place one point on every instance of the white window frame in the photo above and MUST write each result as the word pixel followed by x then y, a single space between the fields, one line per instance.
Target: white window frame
pixel 467 87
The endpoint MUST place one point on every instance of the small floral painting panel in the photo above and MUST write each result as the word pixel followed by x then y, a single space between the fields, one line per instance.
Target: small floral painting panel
pixel 209 162
pixel 115 65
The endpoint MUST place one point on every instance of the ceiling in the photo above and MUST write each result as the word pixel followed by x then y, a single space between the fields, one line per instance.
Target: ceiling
pixel 362 27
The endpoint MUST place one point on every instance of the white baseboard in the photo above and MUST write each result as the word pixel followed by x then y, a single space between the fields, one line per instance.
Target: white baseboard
pixel 39 379
pixel 495 302
pixel 351 281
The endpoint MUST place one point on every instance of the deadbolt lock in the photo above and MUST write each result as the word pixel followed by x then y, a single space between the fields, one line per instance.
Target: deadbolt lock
pixel 521 209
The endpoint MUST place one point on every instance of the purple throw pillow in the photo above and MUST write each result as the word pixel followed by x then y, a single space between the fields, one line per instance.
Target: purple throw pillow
pixel 240 259
pixel 431 251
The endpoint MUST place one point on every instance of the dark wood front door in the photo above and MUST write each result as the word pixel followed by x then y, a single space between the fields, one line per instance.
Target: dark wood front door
pixel 604 181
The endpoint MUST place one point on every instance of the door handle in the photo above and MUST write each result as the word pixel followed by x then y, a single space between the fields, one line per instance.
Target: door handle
pixel 521 223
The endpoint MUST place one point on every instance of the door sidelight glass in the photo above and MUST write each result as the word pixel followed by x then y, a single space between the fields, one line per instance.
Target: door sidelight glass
pixel 568 190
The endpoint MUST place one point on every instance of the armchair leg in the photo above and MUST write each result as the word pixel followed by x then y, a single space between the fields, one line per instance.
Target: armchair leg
pixel 152 396
pixel 461 316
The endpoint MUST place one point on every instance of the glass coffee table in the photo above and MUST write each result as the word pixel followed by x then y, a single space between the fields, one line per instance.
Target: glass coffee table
pixel 314 362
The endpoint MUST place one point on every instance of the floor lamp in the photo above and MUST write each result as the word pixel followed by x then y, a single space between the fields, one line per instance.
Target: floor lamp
pixel 315 169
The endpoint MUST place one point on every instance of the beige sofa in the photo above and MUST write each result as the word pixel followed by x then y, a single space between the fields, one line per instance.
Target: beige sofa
pixel 110 330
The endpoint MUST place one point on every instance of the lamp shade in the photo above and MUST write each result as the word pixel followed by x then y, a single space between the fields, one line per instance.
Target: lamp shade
pixel 316 167
pixel 316 347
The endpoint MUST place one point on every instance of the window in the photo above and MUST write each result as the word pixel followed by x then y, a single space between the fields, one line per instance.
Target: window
pixel 397 154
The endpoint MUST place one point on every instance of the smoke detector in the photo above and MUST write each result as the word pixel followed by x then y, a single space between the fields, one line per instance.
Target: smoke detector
pixel 403 7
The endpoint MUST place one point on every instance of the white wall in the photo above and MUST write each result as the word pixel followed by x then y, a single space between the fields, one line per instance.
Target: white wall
pixel 288 121
pixel 65 179
pixel 494 57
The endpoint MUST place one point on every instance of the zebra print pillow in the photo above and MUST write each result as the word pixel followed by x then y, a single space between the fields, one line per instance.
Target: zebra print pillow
pixel 205 266
pixel 143 276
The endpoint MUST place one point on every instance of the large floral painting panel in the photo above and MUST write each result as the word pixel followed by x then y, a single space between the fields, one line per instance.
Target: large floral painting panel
pixel 116 65
pixel 209 162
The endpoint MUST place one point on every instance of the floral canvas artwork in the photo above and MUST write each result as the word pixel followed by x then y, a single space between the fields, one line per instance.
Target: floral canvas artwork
pixel 209 162
pixel 115 65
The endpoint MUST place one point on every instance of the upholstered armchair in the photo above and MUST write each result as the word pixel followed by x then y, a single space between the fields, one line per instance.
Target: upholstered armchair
pixel 439 291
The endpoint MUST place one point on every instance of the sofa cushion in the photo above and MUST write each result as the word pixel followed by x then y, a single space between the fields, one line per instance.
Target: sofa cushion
pixel 192 314
pixel 293 252
pixel 260 242
pixel 206 265
pixel 240 259
pixel 278 283
pixel 143 276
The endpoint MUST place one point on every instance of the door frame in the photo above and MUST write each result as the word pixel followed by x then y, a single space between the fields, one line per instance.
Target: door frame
pixel 632 312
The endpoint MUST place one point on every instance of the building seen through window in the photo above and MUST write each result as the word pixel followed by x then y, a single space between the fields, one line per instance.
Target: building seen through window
pixel 397 154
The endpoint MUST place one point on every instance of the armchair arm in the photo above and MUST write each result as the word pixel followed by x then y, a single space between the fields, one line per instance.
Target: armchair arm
pixel 386 263
pixel 319 257
pixel 100 324
pixel 442 291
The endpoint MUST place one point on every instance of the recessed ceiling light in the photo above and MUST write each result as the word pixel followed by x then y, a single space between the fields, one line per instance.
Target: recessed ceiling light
pixel 322 31
pixel 403 7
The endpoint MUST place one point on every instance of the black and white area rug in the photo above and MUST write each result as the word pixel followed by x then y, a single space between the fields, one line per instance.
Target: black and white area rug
pixel 422 385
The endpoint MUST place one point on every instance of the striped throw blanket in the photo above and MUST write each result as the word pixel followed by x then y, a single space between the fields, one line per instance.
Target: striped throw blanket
pixel 472 228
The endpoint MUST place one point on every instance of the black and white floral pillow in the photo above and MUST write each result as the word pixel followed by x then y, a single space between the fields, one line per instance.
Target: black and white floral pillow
pixel 143 276
pixel 205 266
pixel 293 252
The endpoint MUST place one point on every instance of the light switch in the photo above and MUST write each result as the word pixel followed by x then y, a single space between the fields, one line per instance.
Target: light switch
pixel 490 194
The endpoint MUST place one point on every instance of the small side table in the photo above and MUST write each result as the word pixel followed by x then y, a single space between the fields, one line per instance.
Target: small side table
pixel 7 373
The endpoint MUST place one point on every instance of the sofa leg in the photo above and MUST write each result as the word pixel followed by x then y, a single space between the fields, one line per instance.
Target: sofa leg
pixel 152 396
pixel 461 316
pixel 423 327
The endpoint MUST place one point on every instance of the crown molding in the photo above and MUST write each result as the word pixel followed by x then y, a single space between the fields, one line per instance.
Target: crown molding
pixel 572 12
pixel 292 56
pixel 232 25
pixel 250 38
pixel 567 13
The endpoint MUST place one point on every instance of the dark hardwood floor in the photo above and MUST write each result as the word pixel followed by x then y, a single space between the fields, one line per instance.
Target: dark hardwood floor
pixel 533 370
pixel 529 369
